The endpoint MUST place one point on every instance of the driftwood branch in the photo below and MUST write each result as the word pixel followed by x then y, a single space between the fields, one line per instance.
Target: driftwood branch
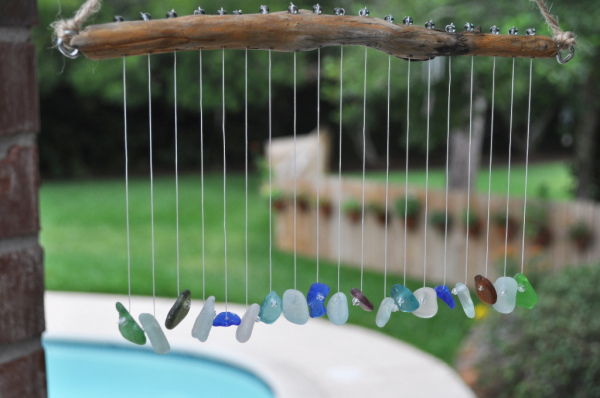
pixel 282 31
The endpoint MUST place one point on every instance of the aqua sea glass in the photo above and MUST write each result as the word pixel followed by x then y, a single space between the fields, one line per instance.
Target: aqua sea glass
pixel 295 307
pixel 387 306
pixel 428 305
pixel 359 298
pixel 157 337
pixel 444 294
pixel 461 290
pixel 244 331
pixel 506 288
pixel 226 319
pixel 271 308
pixel 129 328
pixel 204 320
pixel 486 292
pixel 337 309
pixel 179 310
pixel 526 296
pixel 316 299
pixel 405 299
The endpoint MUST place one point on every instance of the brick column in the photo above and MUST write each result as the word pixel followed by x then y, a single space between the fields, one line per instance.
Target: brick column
pixel 22 361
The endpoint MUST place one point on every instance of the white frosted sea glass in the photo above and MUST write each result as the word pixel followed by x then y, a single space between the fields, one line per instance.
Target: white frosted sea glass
pixel 506 288
pixel 244 331
pixel 337 309
pixel 295 307
pixel 387 306
pixel 155 334
pixel 428 305
pixel 204 320
pixel 461 290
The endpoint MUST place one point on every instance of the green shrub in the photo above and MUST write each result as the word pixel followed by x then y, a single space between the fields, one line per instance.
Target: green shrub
pixel 552 350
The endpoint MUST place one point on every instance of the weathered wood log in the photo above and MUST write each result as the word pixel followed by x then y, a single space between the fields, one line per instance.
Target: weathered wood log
pixel 282 31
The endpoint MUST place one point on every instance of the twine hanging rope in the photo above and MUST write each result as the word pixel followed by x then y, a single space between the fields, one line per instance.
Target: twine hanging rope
pixel 65 29
pixel 563 40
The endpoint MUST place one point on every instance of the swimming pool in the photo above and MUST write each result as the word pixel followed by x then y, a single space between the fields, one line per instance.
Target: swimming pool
pixel 101 370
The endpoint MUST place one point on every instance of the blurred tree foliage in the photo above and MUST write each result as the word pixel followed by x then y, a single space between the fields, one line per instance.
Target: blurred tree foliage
pixel 82 99
pixel 551 350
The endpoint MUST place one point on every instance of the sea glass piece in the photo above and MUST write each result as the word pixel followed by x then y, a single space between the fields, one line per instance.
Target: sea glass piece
pixel 227 319
pixel 316 299
pixel 295 307
pixel 461 290
pixel 444 294
pixel 179 310
pixel 271 308
pixel 387 306
pixel 506 288
pixel 404 299
pixel 204 320
pixel 358 298
pixel 337 309
pixel 485 290
pixel 244 331
pixel 129 328
pixel 526 296
pixel 157 337
pixel 428 305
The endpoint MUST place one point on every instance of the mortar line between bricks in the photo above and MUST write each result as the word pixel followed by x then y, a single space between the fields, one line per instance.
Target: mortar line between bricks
pixel 15 34
pixel 12 351
pixel 18 243
pixel 28 139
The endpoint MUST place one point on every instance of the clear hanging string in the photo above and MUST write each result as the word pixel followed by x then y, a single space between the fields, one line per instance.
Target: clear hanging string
pixel 151 186
pixel 364 161
pixel 469 174
pixel 224 176
pixel 318 153
pixel 427 171
pixel 270 182
pixel 246 163
pixel 387 175
pixel 202 180
pixel 406 169
pixel 176 167
pixel 295 177
pixel 526 165
pixel 339 242
pixel 487 244
pixel 510 130
pixel 447 169
pixel 126 182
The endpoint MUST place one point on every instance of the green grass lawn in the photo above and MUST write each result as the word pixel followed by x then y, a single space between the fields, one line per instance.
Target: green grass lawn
pixel 84 236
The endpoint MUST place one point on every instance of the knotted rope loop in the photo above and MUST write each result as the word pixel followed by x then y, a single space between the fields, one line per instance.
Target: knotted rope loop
pixel 66 29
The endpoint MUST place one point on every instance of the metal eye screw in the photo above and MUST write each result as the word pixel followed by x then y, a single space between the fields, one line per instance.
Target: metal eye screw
pixel 339 11
pixel 264 9
pixel 469 27
pixel 118 18
pixel 145 16
pixel 407 21
pixel 293 9
pixel 237 12
pixel 430 24
pixel 513 31
pixel 495 30
pixel 317 9
pixel 171 14
pixel 364 12
pixel 389 18
pixel 65 49
pixel 222 11
pixel 451 28
pixel 199 11
pixel 530 32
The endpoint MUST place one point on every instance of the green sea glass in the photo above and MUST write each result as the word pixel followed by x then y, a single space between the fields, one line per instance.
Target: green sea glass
pixel 157 337
pixel 271 308
pixel 179 310
pixel 129 328
pixel 526 296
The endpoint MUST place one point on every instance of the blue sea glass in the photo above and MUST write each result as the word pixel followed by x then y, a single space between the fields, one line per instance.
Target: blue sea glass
pixel 461 290
pixel 428 305
pixel 244 331
pixel 506 287
pixel 204 321
pixel 157 337
pixel 271 308
pixel 316 299
pixel 445 295
pixel 227 319
pixel 526 296
pixel 337 309
pixel 295 307
pixel 405 299
pixel 388 305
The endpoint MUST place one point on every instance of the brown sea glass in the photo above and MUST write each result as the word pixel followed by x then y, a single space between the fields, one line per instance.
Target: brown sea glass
pixel 485 290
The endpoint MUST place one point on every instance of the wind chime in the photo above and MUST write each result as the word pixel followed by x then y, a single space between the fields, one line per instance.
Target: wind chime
pixel 304 30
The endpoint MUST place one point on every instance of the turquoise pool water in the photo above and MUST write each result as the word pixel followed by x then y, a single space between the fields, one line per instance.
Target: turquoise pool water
pixel 101 370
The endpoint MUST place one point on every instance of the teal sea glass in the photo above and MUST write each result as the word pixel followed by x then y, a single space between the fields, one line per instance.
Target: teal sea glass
pixel 404 299
pixel 157 337
pixel 204 320
pixel 179 310
pixel 387 306
pixel 271 308
pixel 526 296
pixel 461 290
pixel 129 328
pixel 295 307
pixel 506 288
pixel 337 309
pixel 428 305
pixel 244 331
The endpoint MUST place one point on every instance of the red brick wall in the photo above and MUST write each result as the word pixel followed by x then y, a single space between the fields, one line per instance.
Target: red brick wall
pixel 22 361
